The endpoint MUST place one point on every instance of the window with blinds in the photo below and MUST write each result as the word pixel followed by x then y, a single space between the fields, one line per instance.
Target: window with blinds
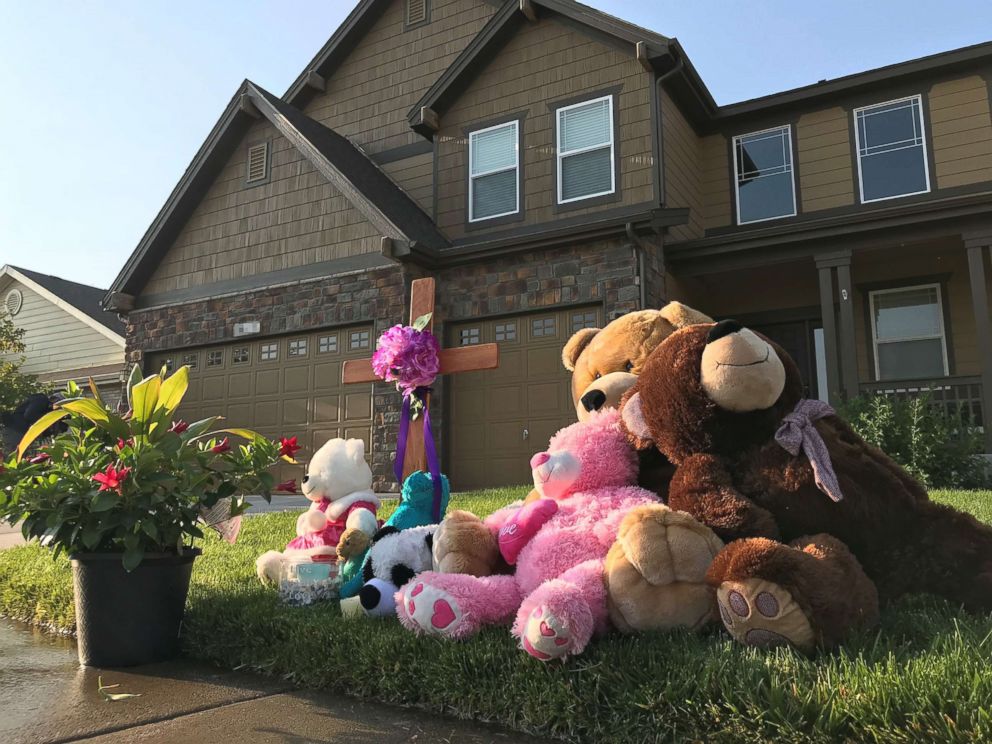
pixel 494 169
pixel 258 162
pixel 585 150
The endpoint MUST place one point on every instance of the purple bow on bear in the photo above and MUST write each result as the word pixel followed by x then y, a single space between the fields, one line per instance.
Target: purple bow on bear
pixel 797 432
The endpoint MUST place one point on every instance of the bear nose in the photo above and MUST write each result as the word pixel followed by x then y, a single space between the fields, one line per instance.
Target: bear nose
pixel 721 329
pixel 593 400
pixel 538 460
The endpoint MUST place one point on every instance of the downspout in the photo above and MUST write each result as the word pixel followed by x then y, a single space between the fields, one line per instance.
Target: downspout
pixel 639 247
pixel 659 127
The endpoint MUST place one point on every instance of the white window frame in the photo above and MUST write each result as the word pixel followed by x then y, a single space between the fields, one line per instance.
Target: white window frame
pixel 940 315
pixel 515 167
pixel 923 142
pixel 561 155
pixel 792 173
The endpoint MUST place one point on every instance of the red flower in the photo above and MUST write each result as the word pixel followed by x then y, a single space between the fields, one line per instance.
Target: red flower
pixel 122 443
pixel 178 427
pixel 111 478
pixel 288 447
pixel 43 457
pixel 287 486
pixel 224 446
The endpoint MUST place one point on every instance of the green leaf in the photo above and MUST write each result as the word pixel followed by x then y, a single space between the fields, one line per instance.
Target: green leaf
pixel 94 390
pixel 132 557
pixel 423 321
pixel 173 390
pixel 149 528
pixel 133 379
pixel 144 398
pixel 112 697
pixel 104 501
pixel 200 428
pixel 37 429
pixel 88 408
pixel 91 536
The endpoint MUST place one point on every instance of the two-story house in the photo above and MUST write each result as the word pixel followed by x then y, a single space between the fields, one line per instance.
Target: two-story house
pixel 553 167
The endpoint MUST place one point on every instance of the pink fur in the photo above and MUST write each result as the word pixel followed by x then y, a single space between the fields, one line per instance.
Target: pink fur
pixel 557 596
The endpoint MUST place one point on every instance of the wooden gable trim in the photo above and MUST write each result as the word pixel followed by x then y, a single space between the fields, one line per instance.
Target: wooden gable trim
pixel 651 49
pixel 325 167
pixel 61 304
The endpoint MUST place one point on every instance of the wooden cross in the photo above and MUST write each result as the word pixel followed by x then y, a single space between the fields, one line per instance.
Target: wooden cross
pixel 464 359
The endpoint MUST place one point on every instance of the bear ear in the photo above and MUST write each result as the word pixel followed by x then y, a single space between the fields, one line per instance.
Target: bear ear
pixel 383 532
pixel 632 417
pixel 680 315
pixel 575 346
pixel 355 448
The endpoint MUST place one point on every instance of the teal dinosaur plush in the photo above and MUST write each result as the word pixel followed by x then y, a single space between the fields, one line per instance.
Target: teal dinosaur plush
pixel 415 510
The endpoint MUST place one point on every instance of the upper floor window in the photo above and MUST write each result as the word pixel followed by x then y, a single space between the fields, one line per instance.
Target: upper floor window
pixel 494 163
pixel 908 332
pixel 892 154
pixel 585 150
pixel 766 189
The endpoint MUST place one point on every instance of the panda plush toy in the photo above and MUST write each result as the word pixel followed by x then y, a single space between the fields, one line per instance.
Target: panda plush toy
pixel 395 557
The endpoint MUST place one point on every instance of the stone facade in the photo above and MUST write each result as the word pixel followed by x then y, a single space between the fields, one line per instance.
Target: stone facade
pixel 602 272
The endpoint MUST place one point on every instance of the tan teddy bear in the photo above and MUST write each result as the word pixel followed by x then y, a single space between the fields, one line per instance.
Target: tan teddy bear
pixel 604 363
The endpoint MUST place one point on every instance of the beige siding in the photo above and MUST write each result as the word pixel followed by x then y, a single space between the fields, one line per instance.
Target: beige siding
pixel 296 218
pixel 543 63
pixel 826 178
pixel 961 131
pixel 717 175
pixel 369 94
pixel 683 178
pixel 55 339
pixel 416 177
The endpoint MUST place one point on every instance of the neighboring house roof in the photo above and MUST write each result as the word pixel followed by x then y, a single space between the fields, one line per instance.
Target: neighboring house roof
pixel 650 47
pixel 393 213
pixel 79 300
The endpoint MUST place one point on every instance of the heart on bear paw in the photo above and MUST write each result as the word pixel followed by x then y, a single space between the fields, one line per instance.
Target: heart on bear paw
pixel 523 526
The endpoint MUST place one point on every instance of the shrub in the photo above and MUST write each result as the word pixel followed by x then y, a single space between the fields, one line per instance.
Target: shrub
pixel 936 447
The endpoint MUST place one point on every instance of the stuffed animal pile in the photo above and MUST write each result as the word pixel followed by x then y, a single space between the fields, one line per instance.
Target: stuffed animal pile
pixel 556 596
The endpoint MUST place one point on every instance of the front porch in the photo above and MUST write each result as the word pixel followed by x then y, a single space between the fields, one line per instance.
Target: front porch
pixel 896 318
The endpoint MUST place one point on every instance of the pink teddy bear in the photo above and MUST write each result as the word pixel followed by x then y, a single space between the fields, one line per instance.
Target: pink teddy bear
pixel 558 544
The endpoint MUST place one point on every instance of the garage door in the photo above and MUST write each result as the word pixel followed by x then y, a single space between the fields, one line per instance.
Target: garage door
pixel 286 386
pixel 501 417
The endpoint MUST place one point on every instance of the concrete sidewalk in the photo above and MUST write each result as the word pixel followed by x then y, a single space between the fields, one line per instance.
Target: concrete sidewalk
pixel 47 697
pixel 10 536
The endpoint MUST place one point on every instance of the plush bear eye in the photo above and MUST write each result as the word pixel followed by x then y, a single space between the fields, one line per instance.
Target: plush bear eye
pixel 306 478
pixel 597 376
pixel 629 365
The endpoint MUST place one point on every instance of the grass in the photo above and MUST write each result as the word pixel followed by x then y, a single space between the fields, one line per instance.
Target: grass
pixel 922 676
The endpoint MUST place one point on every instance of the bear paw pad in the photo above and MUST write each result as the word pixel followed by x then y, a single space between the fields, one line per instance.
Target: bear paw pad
pixel 545 637
pixel 763 614
pixel 433 610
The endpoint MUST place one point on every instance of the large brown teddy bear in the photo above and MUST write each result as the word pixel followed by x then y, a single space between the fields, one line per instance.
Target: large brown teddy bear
pixel 604 363
pixel 815 519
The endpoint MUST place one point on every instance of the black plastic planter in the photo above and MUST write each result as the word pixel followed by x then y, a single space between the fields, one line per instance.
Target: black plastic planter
pixel 126 619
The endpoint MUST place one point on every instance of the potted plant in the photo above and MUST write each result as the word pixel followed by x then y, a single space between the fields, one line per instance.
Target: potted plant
pixel 124 495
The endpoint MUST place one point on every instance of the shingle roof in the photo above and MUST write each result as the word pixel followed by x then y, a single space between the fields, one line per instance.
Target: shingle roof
pixel 83 297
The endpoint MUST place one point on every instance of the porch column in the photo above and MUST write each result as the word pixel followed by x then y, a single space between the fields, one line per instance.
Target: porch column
pixel 829 330
pixel 842 361
pixel 977 248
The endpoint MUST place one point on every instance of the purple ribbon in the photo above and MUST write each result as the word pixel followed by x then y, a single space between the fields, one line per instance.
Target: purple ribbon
pixel 798 433
pixel 433 464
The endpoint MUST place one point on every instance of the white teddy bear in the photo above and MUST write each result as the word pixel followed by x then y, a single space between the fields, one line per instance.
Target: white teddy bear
pixel 339 483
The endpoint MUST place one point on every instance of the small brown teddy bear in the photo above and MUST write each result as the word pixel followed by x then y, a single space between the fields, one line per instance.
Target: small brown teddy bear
pixel 815 519
pixel 604 363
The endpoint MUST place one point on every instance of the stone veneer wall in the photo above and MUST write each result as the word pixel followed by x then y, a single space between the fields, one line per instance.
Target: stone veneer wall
pixel 380 296
pixel 600 272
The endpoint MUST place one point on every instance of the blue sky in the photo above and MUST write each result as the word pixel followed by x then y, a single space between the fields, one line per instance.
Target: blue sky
pixel 104 104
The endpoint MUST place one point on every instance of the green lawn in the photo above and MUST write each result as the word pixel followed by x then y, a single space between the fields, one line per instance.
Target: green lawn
pixel 923 676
